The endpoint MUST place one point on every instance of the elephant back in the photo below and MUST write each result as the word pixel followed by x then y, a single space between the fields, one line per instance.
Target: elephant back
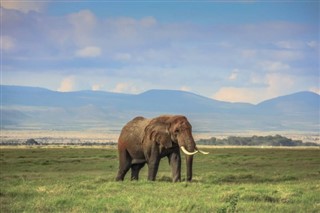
pixel 133 131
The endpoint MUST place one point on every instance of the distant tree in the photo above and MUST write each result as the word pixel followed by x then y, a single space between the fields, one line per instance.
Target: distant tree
pixel 32 142
pixel 269 140
pixel 210 141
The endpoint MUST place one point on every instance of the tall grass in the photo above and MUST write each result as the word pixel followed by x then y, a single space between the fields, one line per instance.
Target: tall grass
pixel 228 180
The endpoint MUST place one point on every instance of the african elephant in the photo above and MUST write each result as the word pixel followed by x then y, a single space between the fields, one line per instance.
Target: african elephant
pixel 148 140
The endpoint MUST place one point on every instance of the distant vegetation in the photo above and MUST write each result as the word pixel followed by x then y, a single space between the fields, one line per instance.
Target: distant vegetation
pixel 32 142
pixel 276 140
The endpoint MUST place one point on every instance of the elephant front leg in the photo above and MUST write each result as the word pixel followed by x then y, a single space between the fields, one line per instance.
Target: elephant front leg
pixel 153 169
pixel 153 163
pixel 175 163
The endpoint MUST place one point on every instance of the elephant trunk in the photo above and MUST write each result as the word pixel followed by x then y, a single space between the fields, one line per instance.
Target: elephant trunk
pixel 189 148
pixel 187 144
pixel 189 162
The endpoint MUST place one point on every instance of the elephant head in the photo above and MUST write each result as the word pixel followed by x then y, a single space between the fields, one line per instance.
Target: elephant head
pixel 170 131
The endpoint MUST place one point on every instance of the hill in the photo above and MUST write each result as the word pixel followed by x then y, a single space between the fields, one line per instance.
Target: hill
pixel 38 108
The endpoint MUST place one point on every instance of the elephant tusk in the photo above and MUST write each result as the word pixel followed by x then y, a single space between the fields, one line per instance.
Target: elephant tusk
pixel 187 152
pixel 203 152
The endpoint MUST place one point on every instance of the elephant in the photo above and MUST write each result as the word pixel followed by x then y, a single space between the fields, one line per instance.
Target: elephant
pixel 145 140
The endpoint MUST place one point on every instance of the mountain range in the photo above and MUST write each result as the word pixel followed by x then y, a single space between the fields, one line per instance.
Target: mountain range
pixel 38 108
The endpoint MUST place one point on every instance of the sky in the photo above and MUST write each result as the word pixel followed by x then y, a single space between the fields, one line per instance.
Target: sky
pixel 237 51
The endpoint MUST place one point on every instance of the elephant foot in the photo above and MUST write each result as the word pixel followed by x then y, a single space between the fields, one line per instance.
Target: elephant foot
pixel 119 179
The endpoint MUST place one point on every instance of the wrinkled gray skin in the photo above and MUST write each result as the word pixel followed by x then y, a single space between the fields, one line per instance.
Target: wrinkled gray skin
pixel 148 140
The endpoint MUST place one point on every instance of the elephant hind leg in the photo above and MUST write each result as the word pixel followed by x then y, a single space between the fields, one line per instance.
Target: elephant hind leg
pixel 175 163
pixel 135 169
pixel 124 165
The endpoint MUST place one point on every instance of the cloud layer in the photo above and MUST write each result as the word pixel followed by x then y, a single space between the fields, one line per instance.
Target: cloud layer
pixel 246 62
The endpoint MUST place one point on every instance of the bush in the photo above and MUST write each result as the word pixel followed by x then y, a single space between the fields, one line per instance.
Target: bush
pixel 276 140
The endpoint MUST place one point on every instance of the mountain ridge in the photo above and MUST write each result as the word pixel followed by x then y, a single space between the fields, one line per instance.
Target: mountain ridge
pixel 36 107
pixel 152 91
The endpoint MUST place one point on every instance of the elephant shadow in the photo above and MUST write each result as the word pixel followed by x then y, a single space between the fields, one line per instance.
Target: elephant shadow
pixel 168 179
pixel 165 179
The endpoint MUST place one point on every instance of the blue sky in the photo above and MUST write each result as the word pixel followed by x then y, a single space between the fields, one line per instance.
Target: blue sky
pixel 239 51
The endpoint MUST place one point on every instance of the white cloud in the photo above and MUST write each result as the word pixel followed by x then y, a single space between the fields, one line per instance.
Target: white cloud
pixel 25 6
pixel 234 94
pixel 248 53
pixel 84 24
pixel 123 28
pixel 315 89
pixel 7 43
pixel 121 87
pixel 287 55
pixel 148 21
pixel 313 44
pixel 89 52
pixel 274 66
pixel 275 85
pixel 123 57
pixel 96 87
pixel 279 83
pixel 124 87
pixel 234 75
pixel 185 88
pixel 67 84
pixel 83 20
pixel 290 44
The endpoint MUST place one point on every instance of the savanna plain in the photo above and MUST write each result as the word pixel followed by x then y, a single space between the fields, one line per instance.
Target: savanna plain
pixel 81 179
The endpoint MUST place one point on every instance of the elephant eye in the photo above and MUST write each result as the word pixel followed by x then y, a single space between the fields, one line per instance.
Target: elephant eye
pixel 177 130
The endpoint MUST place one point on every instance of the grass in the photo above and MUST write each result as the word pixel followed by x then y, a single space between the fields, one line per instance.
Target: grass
pixel 71 179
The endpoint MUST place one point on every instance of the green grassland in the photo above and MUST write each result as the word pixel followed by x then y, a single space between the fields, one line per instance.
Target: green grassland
pixel 72 179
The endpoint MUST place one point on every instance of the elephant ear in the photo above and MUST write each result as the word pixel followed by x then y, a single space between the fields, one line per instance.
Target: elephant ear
pixel 163 138
pixel 159 134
